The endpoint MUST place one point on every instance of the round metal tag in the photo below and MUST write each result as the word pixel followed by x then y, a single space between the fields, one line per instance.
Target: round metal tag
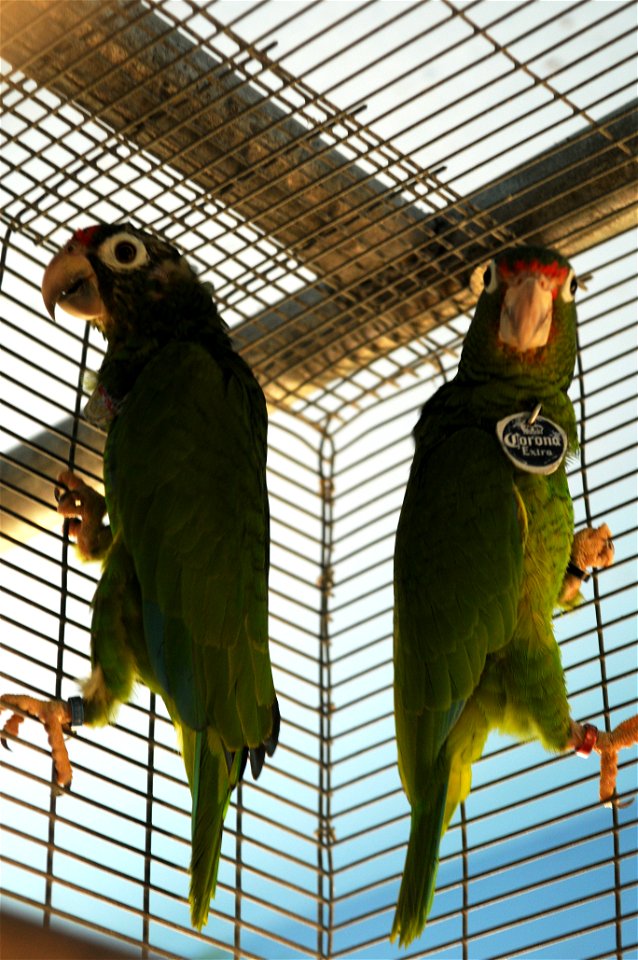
pixel 537 447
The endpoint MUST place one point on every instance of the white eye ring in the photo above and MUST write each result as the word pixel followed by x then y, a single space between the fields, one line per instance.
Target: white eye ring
pixel 490 277
pixel 123 251
pixel 569 288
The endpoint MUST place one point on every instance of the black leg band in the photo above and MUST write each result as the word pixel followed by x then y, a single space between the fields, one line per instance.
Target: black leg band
pixel 577 572
pixel 76 707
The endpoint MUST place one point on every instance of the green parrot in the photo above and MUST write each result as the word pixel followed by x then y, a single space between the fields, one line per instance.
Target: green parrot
pixel 482 548
pixel 182 602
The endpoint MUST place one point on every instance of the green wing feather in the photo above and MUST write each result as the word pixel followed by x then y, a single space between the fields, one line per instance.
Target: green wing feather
pixel 186 492
pixel 458 570
pixel 198 536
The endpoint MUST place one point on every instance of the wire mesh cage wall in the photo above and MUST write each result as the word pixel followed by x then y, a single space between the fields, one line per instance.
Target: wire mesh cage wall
pixel 339 172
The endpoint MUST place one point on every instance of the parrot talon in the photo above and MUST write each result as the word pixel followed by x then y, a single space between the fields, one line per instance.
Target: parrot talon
pixel 608 746
pixel 618 803
pixel 54 716
pixel 11 727
pixel 592 549
pixel 83 509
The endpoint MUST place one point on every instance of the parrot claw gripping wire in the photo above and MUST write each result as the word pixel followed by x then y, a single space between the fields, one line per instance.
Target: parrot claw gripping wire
pixel 84 510
pixel 63 495
pixel 56 716
pixel 586 738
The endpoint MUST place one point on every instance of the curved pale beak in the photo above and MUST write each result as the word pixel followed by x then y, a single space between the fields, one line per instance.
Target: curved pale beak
pixel 70 281
pixel 526 315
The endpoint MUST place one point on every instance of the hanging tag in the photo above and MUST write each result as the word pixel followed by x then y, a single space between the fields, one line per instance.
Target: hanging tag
pixel 535 447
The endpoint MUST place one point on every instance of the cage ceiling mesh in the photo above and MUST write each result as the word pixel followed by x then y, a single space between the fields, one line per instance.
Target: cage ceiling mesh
pixel 339 172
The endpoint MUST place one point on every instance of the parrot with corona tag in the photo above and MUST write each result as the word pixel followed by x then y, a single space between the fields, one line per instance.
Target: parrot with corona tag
pixel 182 603
pixel 485 551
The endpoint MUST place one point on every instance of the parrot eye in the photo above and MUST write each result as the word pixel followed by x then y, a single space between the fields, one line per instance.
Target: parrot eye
pixel 123 252
pixel 569 288
pixel 490 278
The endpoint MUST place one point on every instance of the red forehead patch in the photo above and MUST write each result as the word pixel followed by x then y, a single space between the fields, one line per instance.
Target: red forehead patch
pixel 85 236
pixel 554 270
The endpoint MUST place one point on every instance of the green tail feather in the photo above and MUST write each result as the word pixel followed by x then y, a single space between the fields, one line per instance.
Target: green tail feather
pixel 211 788
pixel 421 864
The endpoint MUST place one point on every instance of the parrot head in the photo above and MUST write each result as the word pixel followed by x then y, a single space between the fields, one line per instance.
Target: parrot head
pixel 124 281
pixel 525 319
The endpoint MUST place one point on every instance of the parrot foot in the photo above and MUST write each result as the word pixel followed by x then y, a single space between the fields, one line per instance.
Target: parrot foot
pixel 592 548
pixel 56 717
pixel 586 737
pixel 84 509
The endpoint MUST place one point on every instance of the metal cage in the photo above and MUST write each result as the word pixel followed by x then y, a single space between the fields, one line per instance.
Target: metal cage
pixel 338 171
